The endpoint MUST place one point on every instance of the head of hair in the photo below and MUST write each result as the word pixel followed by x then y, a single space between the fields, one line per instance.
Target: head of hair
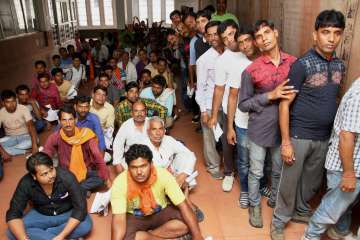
pixel 39 158
pixel 131 85
pixel 56 56
pixel 43 75
pixel 203 13
pixel 155 52
pixel 82 99
pixel 212 24
pixel 97 87
pixel 7 93
pixel 147 71
pixel 56 70
pixel 159 80
pixel 138 151
pixel 40 62
pixel 263 23
pixel 175 12
pixel 142 50
pixel 188 14
pixel 104 75
pixel 22 87
pixel 156 119
pixel 76 56
pixel 67 109
pixel 225 24
pixel 106 67
pixel 245 30
pixel 62 49
pixel 161 59
pixel 170 31
pixel 330 18
pixel 69 46
pixel 210 8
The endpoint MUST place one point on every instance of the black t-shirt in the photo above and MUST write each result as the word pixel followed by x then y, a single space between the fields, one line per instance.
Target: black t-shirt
pixel 200 47
pixel 318 81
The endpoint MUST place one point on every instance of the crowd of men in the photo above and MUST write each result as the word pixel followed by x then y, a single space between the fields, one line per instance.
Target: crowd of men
pixel 280 125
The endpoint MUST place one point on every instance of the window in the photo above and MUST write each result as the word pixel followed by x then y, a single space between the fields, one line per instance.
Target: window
pixel 64 12
pixel 169 7
pixel 156 10
pixel 51 12
pixel 95 12
pixel 82 16
pixel 108 13
pixel 143 10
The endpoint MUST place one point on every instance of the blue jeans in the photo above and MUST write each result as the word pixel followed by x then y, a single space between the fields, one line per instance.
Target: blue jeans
pixel 43 227
pixel 335 208
pixel 40 125
pixel 242 160
pixel 17 145
pixel 257 156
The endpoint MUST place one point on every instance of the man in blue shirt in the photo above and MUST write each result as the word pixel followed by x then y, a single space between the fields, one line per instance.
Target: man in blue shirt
pixel 88 119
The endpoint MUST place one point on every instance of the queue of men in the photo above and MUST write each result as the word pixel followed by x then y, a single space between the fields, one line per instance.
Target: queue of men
pixel 280 122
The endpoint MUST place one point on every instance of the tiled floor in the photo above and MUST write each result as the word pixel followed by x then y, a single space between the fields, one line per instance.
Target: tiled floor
pixel 224 220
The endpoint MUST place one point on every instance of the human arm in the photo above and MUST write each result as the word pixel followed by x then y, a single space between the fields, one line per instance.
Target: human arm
pixel 216 102
pixel 346 151
pixel 98 158
pixel 190 220
pixel 119 149
pixel 99 132
pixel 118 204
pixel 33 135
pixel 231 109
pixel 201 88
pixel 118 226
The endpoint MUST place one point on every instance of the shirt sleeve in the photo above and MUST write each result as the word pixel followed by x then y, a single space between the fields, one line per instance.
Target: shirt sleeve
pixel 184 159
pixel 27 114
pixel 296 75
pixel 201 74
pixel 99 133
pixel 220 73
pixel 19 200
pixel 118 195
pixel 192 60
pixel 98 159
pixel 249 101
pixel 170 104
pixel 172 189
pixel 119 146
pixel 78 200
pixel 351 114
pixel 111 118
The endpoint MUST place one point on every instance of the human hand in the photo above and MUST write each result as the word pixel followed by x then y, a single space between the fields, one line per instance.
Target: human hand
pixel 231 136
pixel 180 179
pixel 282 91
pixel 204 118
pixel 211 122
pixel 348 182
pixel 287 153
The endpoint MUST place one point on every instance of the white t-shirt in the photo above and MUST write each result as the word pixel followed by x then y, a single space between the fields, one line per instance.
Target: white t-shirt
pixel 15 123
pixel 228 70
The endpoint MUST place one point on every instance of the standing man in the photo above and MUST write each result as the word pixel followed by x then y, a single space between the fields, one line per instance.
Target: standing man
pixel 205 72
pixel 247 44
pixel 221 14
pixel 306 120
pixel 262 86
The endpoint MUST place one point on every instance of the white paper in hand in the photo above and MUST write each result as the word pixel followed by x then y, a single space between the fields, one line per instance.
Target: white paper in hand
pixel 71 93
pixel 52 115
pixel 101 201
pixel 217 132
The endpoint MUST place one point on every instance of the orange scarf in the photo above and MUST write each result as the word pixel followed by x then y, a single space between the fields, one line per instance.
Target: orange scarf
pixel 143 191
pixel 77 162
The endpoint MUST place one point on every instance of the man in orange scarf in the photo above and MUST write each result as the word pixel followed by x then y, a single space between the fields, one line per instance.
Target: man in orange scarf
pixel 148 203
pixel 78 151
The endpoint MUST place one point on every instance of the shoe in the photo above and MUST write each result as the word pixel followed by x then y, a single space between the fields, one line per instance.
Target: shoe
pixel 227 183
pixel 265 192
pixel 270 203
pixel 255 218
pixel 244 200
pixel 199 214
pixel 300 219
pixel 276 233
pixel 217 175
pixel 334 235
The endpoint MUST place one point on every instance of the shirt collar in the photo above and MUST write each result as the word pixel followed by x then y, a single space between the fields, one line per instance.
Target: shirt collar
pixel 266 60
pixel 313 51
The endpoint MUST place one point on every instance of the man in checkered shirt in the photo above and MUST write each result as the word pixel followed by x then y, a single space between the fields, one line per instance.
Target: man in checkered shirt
pixel 343 172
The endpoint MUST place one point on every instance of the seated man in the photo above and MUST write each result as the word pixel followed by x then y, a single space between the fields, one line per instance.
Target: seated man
pixel 39 67
pixel 163 70
pixel 76 74
pixel 147 203
pixel 128 67
pixel 162 95
pixel 123 109
pixel 59 207
pixel 86 119
pixel 103 109
pixel 113 94
pixel 23 97
pixel 131 131
pixel 46 94
pixel 78 151
pixel 19 129
pixel 66 90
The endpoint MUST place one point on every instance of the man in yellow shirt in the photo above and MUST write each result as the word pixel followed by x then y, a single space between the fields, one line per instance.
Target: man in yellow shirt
pixel 140 205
